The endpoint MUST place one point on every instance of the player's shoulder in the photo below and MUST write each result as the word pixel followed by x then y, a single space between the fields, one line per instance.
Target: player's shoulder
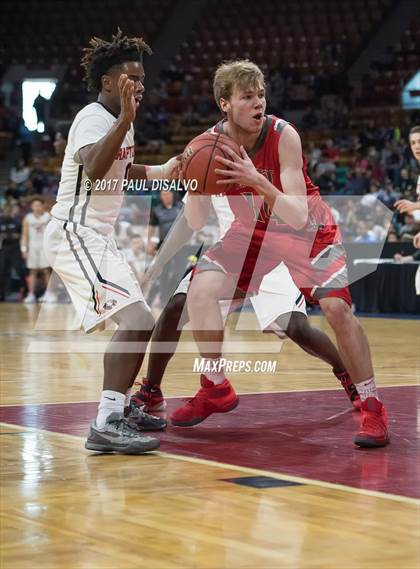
pixel 94 111
pixel 277 124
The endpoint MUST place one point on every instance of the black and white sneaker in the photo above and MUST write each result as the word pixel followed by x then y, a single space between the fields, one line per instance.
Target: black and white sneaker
pixel 144 421
pixel 119 435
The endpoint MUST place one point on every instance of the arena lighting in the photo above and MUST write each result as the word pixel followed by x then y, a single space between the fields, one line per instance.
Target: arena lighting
pixel 31 88
pixel 410 98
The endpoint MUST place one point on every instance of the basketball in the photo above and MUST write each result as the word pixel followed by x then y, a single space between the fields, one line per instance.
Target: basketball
pixel 198 162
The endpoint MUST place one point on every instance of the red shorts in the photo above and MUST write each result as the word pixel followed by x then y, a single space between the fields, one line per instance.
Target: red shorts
pixel 316 261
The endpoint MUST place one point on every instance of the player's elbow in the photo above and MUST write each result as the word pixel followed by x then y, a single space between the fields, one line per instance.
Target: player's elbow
pixel 301 217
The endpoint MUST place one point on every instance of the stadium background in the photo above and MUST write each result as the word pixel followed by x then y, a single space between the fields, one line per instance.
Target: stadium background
pixel 277 482
pixel 338 70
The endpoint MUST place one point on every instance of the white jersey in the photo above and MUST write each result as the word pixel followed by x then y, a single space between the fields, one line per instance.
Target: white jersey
pixel 36 229
pixel 93 204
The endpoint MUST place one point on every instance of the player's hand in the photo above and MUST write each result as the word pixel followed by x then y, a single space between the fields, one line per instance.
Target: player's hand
pixel 416 241
pixel 398 258
pixel 172 168
pixel 405 206
pixel 127 100
pixel 241 168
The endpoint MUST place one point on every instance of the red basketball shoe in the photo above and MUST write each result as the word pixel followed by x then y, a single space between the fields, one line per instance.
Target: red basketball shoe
pixel 349 387
pixel 148 397
pixel 373 430
pixel 209 399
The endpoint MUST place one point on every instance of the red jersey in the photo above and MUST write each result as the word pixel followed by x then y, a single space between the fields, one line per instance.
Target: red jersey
pixel 313 254
pixel 251 209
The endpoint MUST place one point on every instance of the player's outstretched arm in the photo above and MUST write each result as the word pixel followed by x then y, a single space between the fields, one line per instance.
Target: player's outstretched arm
pixel 170 170
pixel 178 236
pixel 98 158
pixel 197 210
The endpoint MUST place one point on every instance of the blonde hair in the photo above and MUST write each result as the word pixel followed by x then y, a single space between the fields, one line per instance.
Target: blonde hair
pixel 241 73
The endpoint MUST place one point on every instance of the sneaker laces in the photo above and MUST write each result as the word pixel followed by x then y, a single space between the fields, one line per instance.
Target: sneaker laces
pixel 121 422
pixel 138 413
pixel 371 420
pixel 199 395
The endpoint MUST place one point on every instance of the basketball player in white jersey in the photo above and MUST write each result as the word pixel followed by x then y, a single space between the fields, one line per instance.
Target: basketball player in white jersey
pixel 280 307
pixel 31 246
pixel 79 239
pixel 405 206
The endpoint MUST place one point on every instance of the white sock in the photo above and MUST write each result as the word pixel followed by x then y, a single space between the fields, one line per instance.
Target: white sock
pixel 127 397
pixel 367 389
pixel 216 373
pixel 111 402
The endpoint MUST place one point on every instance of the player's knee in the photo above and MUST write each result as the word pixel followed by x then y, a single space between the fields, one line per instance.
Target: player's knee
pixel 298 328
pixel 173 311
pixel 336 311
pixel 135 317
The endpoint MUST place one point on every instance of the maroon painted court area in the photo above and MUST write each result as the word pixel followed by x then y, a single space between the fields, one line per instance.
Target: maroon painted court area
pixel 300 433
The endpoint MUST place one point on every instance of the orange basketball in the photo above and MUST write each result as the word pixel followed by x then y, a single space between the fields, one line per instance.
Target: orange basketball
pixel 198 162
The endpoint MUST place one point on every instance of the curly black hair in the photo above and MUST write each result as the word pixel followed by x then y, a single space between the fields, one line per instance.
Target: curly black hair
pixel 102 55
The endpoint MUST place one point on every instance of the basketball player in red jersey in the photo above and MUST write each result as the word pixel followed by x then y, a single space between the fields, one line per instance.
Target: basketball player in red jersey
pixel 281 218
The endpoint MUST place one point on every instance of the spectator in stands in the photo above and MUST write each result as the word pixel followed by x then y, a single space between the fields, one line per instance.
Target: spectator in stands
pixel 10 256
pixel 324 165
pixel 38 176
pixel 357 183
pixel 314 155
pixel 24 141
pixel 20 173
pixel 364 233
pixel 310 119
pixel 407 185
pixel 388 195
pixel 163 216
pixel 370 198
pixel 408 230
pixel 331 151
pixel 327 183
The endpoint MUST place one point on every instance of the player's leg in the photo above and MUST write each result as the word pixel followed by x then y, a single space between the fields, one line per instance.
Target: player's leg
pixel 354 349
pixel 31 282
pixel 100 286
pixel 280 306
pixel 216 394
pixel 318 344
pixel 167 331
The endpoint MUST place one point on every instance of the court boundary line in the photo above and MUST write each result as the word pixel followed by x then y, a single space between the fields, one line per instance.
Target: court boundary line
pixel 244 469
pixel 189 395
pixel 317 389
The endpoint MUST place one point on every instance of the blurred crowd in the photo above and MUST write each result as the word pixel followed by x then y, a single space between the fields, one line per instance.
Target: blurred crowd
pixel 370 165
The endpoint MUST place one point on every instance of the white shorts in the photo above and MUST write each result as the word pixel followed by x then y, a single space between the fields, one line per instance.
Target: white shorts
pixel 36 258
pixel 277 295
pixel 96 275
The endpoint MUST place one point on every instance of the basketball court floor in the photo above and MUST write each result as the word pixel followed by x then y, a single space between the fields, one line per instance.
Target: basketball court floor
pixel 276 483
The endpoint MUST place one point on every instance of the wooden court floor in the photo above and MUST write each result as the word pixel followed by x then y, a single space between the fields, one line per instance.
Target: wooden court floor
pixel 275 484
